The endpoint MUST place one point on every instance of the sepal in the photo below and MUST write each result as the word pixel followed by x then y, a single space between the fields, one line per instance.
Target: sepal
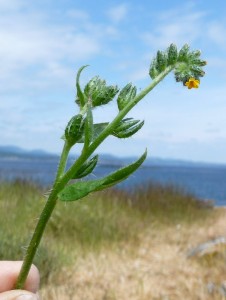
pixel 126 95
pixel 161 61
pixel 172 55
pixel 86 168
pixel 183 53
pixel 127 128
pixel 153 72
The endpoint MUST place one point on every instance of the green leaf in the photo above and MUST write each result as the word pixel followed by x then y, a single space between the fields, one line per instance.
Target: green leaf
pixel 97 129
pixel 86 168
pixel 81 189
pixel 80 99
pixel 78 190
pixel 122 173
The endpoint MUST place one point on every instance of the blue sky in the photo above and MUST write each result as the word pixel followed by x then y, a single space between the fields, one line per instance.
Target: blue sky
pixel 43 43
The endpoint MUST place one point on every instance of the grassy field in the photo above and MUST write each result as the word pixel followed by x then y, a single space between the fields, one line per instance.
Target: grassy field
pixel 117 245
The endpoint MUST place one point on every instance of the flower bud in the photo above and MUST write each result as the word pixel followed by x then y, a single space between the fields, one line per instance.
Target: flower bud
pixel 126 95
pixel 98 92
pixel 153 71
pixel 74 129
pixel 127 127
pixel 86 168
pixel 161 61
pixel 183 53
pixel 172 54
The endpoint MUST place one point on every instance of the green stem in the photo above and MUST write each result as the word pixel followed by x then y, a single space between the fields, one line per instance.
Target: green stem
pixel 44 217
pixel 63 161
pixel 35 240
pixel 62 179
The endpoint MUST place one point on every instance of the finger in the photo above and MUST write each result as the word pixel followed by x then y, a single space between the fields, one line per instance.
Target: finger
pixel 9 271
pixel 18 295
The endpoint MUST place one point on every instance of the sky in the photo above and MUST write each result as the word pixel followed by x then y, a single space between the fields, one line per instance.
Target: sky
pixel 43 43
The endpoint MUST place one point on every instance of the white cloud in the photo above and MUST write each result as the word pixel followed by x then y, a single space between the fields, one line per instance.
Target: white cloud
pixel 179 29
pixel 30 42
pixel 118 13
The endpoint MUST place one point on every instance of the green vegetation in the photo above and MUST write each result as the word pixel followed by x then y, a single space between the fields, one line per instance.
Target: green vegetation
pixel 102 220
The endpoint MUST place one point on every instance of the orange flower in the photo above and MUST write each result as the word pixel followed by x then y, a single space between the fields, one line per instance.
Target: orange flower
pixel 192 83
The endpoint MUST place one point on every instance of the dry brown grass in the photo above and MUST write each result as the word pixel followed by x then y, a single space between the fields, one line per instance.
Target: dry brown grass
pixel 155 266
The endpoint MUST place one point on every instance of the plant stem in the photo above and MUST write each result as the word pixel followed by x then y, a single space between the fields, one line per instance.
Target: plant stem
pixel 43 219
pixel 63 161
pixel 63 178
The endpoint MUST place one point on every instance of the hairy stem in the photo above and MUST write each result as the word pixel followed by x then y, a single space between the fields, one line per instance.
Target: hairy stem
pixel 43 219
pixel 63 178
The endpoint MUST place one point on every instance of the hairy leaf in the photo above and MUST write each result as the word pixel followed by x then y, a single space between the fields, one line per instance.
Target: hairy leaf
pixel 80 99
pixel 81 189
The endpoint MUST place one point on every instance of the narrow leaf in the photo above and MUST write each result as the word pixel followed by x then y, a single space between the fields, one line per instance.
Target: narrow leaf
pixel 128 132
pixel 81 189
pixel 122 173
pixel 125 124
pixel 78 190
pixel 80 96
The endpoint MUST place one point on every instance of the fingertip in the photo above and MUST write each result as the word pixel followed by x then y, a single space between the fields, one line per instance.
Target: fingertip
pixel 9 271
pixel 33 280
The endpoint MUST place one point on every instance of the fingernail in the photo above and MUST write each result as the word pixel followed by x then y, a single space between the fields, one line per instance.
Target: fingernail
pixel 27 297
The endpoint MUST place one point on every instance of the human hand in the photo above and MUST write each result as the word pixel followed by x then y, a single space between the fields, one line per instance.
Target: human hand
pixel 9 271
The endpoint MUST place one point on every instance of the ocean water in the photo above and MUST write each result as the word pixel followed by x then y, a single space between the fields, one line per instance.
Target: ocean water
pixel 208 182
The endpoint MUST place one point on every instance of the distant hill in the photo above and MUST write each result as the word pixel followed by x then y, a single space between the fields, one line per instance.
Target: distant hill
pixel 104 159
pixel 14 151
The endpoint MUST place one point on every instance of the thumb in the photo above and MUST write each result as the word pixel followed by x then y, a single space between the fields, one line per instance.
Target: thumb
pixel 18 295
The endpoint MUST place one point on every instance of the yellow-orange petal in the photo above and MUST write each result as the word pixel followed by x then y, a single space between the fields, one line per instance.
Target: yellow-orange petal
pixel 192 83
